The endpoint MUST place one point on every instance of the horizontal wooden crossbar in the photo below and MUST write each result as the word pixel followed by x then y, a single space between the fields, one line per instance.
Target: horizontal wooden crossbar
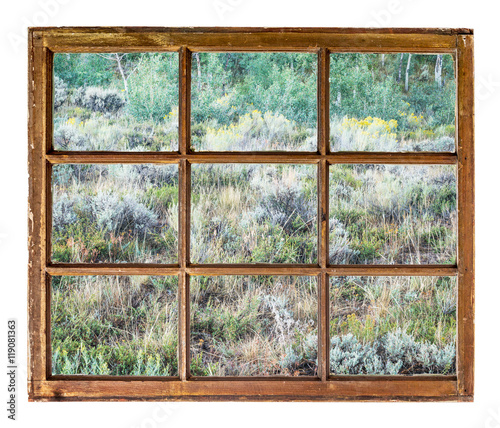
pixel 250 269
pixel 245 389
pixel 57 157
pixel 111 39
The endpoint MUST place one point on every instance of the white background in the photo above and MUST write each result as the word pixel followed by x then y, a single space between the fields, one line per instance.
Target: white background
pixel 480 15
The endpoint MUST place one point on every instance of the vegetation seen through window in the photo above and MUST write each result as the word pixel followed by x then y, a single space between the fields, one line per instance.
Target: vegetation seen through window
pixel 253 213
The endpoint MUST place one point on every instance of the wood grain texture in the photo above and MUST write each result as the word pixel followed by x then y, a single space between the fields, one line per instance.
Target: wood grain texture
pixel 418 158
pixel 248 269
pixel 323 94
pixel 184 100
pixel 323 149
pixel 246 389
pixel 184 351
pixel 253 269
pixel 112 269
pixel 392 270
pixel 323 213
pixel 216 30
pixel 337 270
pixel 37 304
pixel 323 326
pixel 184 250
pixel 241 39
pixel 185 210
pixel 465 307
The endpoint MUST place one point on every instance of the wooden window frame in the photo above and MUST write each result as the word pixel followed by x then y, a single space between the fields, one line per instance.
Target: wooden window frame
pixel 44 42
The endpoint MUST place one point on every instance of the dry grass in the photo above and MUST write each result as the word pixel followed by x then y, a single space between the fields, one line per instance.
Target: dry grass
pixel 253 213
pixel 418 313
pixel 393 214
pixel 114 325
pixel 115 213
pixel 253 326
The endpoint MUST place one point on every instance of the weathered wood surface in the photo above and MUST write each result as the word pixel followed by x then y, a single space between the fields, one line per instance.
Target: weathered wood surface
pixel 465 307
pixel 403 388
pixel 80 39
pixel 420 158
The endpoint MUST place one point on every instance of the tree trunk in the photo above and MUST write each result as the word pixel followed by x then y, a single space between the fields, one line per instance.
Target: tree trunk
pixel 118 59
pixel 198 68
pixel 400 67
pixel 383 60
pixel 407 72
pixel 228 57
pixel 438 70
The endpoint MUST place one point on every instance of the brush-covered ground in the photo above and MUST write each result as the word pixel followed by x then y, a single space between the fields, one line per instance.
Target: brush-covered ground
pixel 115 213
pixel 253 326
pixel 253 101
pixel 247 213
pixel 109 325
pixel 392 325
pixel 393 214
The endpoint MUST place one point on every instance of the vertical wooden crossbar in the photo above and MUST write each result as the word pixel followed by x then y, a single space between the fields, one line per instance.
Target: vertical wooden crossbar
pixel 323 210
pixel 48 133
pixel 324 101
pixel 184 208
pixel 465 312
pixel 184 297
pixel 37 303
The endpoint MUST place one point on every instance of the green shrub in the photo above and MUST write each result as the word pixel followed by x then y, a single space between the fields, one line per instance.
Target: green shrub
pixel 69 137
pixel 396 353
pixel 103 100
pixel 153 89
pixel 60 92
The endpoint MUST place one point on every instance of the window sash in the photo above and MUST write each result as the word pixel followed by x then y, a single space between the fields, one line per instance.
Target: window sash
pixel 43 43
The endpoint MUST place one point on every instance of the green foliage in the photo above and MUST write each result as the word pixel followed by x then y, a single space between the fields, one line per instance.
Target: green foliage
pixel 253 326
pixel 253 214
pixel 161 196
pixel 346 175
pixel 361 86
pixel 253 101
pixel 348 216
pixel 434 236
pixel 154 88
pixel 103 100
pixel 222 325
pixel 396 353
pixel 392 214
pixel 234 84
pixel 96 333
pixel 280 247
pixel 128 216
pixel 60 92
pixel 79 70
pixel 357 90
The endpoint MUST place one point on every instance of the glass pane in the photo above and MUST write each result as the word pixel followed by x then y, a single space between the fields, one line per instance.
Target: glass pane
pixel 114 213
pixel 253 326
pixel 114 325
pixel 393 214
pixel 392 325
pixel 248 213
pixel 392 102
pixel 254 101
pixel 116 101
